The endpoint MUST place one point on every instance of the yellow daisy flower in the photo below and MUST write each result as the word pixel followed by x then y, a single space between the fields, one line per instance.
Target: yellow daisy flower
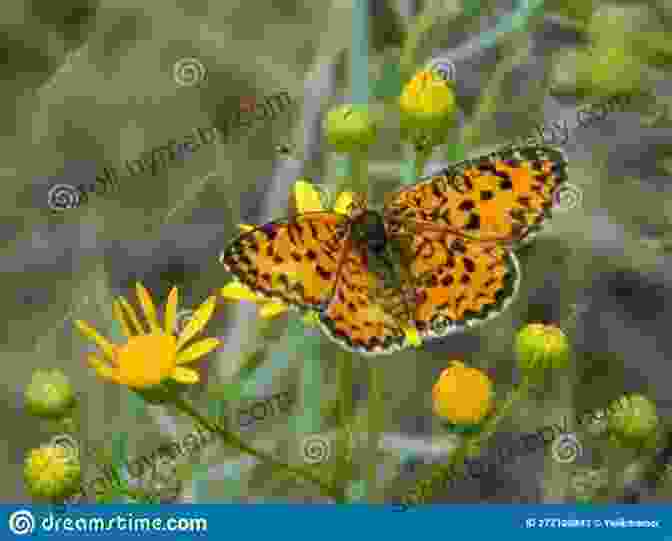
pixel 307 199
pixel 149 358
pixel 462 395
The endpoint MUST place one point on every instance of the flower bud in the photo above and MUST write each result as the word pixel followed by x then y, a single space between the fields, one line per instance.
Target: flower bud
pixel 587 483
pixel 541 347
pixel 632 421
pixel 462 397
pixel 49 394
pixel 51 473
pixel 427 108
pixel 350 129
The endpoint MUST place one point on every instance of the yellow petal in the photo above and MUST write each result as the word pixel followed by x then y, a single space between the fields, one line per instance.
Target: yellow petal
pixel 197 321
pixel 130 312
pixel 235 291
pixel 90 332
pixel 101 368
pixel 244 228
pixel 412 336
pixel 197 350
pixel 118 312
pixel 343 201
pixel 185 375
pixel 147 307
pixel 272 309
pixel 171 311
pixel 307 197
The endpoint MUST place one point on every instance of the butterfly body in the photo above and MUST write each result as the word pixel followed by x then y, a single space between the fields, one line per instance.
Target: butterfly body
pixel 436 260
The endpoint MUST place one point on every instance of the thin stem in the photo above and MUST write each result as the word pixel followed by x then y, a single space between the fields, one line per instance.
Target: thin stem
pixel 343 470
pixel 233 441
pixel 421 157
pixel 375 420
pixel 359 163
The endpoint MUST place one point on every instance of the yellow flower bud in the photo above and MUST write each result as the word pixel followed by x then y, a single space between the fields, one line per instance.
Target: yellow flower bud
pixel 427 108
pixel 51 473
pixel 541 347
pixel 462 396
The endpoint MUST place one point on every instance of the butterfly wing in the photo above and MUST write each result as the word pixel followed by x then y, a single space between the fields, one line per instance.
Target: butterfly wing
pixel 294 261
pixel 459 283
pixel 365 315
pixel 506 195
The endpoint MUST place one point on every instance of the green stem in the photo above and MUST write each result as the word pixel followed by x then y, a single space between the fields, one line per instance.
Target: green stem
pixel 421 157
pixel 233 441
pixel 359 180
pixel 375 420
pixel 420 26
pixel 343 469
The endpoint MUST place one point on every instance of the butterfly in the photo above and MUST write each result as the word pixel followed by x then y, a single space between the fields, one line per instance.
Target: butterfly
pixel 437 259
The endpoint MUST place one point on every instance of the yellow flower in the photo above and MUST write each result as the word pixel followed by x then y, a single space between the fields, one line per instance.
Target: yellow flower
pixel 427 107
pixel 307 199
pixel 149 358
pixel 462 395
pixel 51 473
pixel 412 336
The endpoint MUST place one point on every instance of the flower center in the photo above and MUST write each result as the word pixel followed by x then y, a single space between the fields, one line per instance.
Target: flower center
pixel 146 360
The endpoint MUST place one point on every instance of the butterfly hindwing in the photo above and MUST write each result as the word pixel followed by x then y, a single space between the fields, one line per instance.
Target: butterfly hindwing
pixel 294 261
pixel 458 283
pixel 365 315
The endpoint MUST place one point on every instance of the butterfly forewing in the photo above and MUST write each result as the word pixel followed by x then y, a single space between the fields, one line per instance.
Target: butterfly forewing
pixel 295 261
pixel 503 196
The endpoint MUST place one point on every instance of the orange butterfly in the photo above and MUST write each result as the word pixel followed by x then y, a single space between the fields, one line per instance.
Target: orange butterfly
pixel 437 259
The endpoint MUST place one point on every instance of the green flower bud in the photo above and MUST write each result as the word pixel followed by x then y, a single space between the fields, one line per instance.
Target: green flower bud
pixel 427 109
pixel 541 347
pixel 51 473
pixel 632 421
pixel 49 394
pixel 609 70
pixel 349 128
pixel 587 483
